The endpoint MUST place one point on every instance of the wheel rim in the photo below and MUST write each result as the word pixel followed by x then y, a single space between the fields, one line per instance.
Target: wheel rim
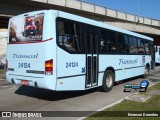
pixel 109 80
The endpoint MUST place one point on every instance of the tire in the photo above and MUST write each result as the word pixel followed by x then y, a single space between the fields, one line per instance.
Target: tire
pixel 146 71
pixel 108 81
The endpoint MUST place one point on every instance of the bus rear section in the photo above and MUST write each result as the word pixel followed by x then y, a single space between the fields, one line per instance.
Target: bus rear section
pixel 30 57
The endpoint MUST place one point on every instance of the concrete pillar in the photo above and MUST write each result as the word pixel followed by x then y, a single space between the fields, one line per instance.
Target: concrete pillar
pixel 3 45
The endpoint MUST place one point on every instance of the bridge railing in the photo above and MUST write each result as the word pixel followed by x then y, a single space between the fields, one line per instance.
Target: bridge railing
pixel 102 10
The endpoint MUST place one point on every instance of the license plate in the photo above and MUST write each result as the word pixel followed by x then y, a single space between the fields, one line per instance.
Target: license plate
pixel 24 82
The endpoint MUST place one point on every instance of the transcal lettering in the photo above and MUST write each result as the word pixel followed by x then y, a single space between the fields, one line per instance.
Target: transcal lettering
pixel 25 56
pixel 122 61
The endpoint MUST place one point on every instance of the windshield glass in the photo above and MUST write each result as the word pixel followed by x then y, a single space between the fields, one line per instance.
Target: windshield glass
pixel 26 29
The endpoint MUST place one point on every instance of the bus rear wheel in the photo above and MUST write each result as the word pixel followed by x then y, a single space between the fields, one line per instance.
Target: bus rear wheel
pixel 108 81
pixel 146 71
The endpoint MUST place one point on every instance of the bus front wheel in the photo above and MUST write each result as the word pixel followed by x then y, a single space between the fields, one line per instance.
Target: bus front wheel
pixel 108 81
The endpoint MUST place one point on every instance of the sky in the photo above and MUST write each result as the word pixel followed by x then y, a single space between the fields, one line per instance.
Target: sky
pixel 147 8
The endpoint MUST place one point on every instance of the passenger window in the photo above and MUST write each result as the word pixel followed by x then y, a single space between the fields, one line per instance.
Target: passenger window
pixel 69 36
pixel 141 48
pixel 147 47
pixel 122 43
pixel 133 45
pixel 112 43
pixel 103 41
pixel 108 41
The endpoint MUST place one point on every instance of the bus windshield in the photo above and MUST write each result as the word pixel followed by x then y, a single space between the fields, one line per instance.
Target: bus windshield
pixel 26 28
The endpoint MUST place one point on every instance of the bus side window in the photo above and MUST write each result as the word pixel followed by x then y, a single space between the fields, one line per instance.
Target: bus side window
pixel 133 45
pixel 69 36
pixel 108 41
pixel 141 48
pixel 122 43
pixel 147 47
pixel 112 41
pixel 103 42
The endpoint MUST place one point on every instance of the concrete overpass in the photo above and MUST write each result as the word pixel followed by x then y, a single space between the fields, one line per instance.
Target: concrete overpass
pixel 124 20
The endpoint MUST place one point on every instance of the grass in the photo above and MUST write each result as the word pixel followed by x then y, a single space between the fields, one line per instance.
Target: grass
pixel 153 104
pixel 155 87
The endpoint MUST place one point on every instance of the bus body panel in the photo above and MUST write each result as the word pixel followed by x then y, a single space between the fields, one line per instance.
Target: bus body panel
pixel 69 70
pixel 31 81
pixel 26 61
pixel 75 83
pixel 124 66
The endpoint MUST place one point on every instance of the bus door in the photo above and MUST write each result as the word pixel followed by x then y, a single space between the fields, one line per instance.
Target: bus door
pixel 152 56
pixel 91 40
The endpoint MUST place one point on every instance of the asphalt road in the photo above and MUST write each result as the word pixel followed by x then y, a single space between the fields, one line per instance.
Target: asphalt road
pixel 23 98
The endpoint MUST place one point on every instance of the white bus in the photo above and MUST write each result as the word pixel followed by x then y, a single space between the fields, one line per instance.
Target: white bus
pixel 59 51
pixel 157 54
